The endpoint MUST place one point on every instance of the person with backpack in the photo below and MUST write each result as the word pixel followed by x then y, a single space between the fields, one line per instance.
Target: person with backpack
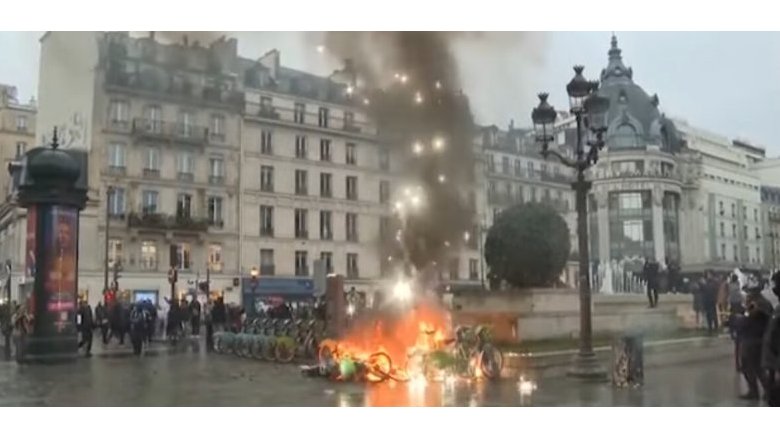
pixel 85 324
pixel 195 316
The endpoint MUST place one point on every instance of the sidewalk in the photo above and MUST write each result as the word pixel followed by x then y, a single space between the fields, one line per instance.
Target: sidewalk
pixel 158 347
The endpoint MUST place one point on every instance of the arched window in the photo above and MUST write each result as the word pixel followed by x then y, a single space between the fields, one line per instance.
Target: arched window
pixel 625 137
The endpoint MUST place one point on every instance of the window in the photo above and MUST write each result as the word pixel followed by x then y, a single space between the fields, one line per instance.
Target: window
pixel 216 170
pixel 186 123
pixel 758 254
pixel 114 252
pixel 755 214
pixel 149 201
pixel 21 123
pixel 116 155
pixel 215 211
pixel 301 263
pixel 325 185
pixel 384 191
pixel 473 269
pixel 518 168
pixel 561 137
pixel 326 225
pixel 454 268
pixel 733 230
pixel 349 119
pixel 119 113
pixel 384 159
pixel 301 223
pixel 217 126
pixel 533 194
pixel 505 165
pixel 625 137
pixel 185 163
pixel 351 154
pixel 736 253
pixel 745 232
pixel 267 178
pixel 267 262
pixel 744 212
pixel 181 256
pixel 757 235
pixel 723 251
pixel 21 148
pixel 266 221
pixel 266 142
pixel 352 227
pixel 266 104
pixel 116 202
pixel 299 113
pixel 153 115
pixel 148 255
pixel 720 206
pixel 327 259
pixel 215 258
pixel 325 150
pixel 352 266
pixel 301 182
pixel 152 159
pixel 722 232
pixel 733 210
pixel 491 164
pixel 352 189
pixel 184 206
pixel 323 117
pixel 300 147
pixel 531 170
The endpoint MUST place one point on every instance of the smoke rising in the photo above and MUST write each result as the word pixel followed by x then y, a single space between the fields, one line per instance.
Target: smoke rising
pixel 415 96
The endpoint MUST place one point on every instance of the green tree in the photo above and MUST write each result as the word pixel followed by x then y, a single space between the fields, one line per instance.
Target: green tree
pixel 527 246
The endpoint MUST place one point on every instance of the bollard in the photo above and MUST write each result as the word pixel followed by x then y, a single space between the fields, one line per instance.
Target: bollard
pixel 627 361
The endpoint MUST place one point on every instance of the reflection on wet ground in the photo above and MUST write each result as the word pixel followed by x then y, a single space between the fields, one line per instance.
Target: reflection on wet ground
pixel 200 379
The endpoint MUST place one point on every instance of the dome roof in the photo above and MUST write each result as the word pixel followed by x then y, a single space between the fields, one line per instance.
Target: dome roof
pixel 52 166
pixel 633 118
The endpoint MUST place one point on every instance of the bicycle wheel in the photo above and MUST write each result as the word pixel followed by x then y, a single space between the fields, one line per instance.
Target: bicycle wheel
pixel 491 361
pixel 284 351
pixel 269 349
pixel 380 367
pixel 256 349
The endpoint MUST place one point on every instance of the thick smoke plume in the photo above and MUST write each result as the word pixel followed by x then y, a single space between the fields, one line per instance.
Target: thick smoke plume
pixel 412 83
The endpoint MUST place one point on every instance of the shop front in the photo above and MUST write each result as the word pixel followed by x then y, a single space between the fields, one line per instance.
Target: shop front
pixel 257 293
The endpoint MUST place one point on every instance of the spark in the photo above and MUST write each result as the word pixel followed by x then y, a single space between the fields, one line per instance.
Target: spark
pixel 350 309
pixel 442 178
pixel 417 148
pixel 418 98
pixel 321 49
pixel 438 143
pixel 466 236
pixel 350 89
pixel 399 205
pixel 397 76
pixel 407 192
pixel 366 101
pixel 525 387
pixel 404 78
pixel 415 201
pixel 446 243
pixel 418 382
pixel 389 258
pixel 438 85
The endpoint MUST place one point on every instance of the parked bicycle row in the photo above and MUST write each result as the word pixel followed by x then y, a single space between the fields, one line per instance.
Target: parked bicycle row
pixel 273 339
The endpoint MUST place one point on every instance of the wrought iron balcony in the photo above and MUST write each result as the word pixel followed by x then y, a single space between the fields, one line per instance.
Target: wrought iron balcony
pixel 170 131
pixel 151 173
pixel 167 222
pixel 267 270
pixel 216 179
pixel 268 112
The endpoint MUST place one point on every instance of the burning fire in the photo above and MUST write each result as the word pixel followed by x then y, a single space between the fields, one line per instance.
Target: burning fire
pixel 392 345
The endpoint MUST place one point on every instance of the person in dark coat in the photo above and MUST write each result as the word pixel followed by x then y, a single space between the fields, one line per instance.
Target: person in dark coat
pixel 710 301
pixel 101 320
pixel 195 316
pixel 650 273
pixel 219 315
pixel 174 319
pixel 751 329
pixel 86 323
pixel 138 326
pixel 770 349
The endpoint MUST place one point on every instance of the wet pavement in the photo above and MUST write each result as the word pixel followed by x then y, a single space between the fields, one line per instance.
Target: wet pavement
pixel 201 379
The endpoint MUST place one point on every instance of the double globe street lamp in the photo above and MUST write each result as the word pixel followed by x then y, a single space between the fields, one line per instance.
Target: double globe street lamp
pixel 589 109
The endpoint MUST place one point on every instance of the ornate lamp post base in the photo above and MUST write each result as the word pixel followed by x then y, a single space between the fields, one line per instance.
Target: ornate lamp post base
pixel 586 367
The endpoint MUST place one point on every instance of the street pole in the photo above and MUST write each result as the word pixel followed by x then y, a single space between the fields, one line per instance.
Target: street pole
pixel 172 277
pixel 109 193
pixel 481 256
pixel 589 109
pixel 9 311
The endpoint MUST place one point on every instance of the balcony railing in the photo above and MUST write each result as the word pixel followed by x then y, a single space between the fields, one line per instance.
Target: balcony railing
pixel 186 176
pixel 170 131
pixel 151 173
pixel 351 127
pixel 122 126
pixel 167 222
pixel 268 112
pixel 117 170
pixel 267 232
pixel 216 179
pixel 267 270
pixel 217 223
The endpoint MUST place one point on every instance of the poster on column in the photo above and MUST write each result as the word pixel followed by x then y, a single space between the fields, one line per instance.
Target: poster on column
pixel 59 265
pixel 29 259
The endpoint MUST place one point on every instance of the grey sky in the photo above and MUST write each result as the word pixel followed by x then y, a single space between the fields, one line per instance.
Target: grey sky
pixel 723 81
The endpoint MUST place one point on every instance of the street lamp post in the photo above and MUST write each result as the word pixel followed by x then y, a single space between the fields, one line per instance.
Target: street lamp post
pixel 254 272
pixel 173 277
pixel 109 195
pixel 589 110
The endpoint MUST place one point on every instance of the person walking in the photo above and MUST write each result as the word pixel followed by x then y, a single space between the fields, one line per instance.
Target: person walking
pixel 650 272
pixel 709 302
pixel 770 349
pixel 86 324
pixel 208 317
pixel 195 316
pixel 219 315
pixel 138 327
pixel 101 319
pixel 751 329
pixel 735 299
